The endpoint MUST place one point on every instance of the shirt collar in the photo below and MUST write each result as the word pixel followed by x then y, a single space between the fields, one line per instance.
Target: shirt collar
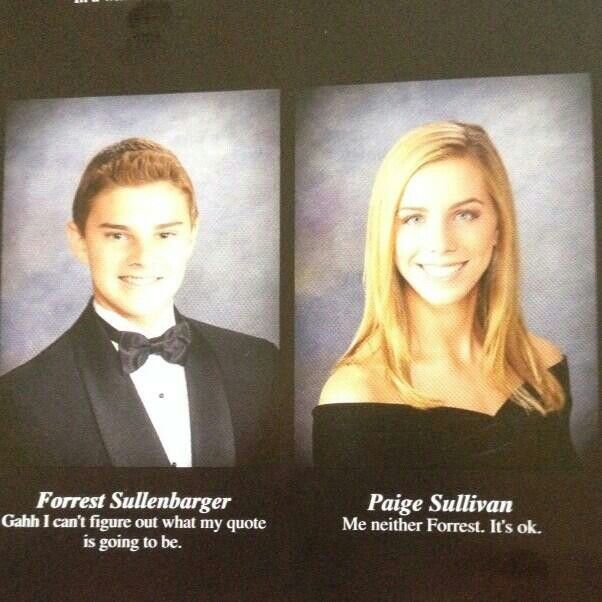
pixel 117 321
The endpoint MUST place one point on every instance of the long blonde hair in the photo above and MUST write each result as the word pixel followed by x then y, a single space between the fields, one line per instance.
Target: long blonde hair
pixel 384 328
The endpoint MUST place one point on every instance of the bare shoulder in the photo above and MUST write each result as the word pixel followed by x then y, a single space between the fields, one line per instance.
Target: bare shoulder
pixel 548 352
pixel 351 383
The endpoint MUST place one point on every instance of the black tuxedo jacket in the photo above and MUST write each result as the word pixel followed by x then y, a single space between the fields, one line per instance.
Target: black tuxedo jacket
pixel 71 405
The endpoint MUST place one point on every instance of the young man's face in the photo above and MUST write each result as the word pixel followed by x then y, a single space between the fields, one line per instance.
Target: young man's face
pixel 137 241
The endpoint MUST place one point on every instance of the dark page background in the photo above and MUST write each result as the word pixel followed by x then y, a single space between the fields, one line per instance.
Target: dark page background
pixel 61 49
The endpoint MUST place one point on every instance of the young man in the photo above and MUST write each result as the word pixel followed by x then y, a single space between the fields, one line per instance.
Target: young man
pixel 133 382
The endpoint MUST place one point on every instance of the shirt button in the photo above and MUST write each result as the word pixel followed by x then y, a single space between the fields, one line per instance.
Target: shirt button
pixel 161 395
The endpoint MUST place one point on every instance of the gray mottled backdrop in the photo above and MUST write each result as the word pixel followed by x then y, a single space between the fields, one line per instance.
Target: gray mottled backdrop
pixel 228 142
pixel 542 126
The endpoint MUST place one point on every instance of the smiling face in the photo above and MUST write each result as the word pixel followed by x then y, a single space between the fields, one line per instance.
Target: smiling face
pixel 446 230
pixel 137 241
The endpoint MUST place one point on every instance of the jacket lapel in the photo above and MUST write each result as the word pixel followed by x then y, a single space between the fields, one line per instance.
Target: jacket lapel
pixel 126 429
pixel 210 418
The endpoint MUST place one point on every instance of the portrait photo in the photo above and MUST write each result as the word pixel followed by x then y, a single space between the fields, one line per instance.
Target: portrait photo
pixel 184 191
pixel 527 142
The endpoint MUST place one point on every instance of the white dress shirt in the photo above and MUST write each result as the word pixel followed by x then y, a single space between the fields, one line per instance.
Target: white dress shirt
pixel 161 387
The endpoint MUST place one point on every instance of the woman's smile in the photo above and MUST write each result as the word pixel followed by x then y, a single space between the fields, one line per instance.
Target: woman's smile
pixel 442 271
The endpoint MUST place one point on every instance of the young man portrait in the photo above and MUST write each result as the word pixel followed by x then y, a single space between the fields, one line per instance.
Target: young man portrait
pixel 134 382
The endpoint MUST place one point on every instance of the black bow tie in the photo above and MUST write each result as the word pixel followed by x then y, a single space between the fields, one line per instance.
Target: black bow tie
pixel 134 348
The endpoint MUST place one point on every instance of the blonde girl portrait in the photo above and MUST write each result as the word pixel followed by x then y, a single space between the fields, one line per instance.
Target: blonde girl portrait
pixel 443 371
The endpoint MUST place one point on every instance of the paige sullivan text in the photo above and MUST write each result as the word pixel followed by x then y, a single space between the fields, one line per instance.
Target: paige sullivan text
pixel 438 503
pixel 138 501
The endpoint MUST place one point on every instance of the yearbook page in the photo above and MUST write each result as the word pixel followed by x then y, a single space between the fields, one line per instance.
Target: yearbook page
pixel 300 301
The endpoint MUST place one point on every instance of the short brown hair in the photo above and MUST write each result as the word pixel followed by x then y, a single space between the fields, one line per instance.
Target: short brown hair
pixel 130 162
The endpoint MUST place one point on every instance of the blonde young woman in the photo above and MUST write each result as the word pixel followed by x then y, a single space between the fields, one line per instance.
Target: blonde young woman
pixel 442 371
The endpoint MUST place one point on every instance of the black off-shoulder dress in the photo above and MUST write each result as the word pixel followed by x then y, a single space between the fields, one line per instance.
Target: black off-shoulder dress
pixel 393 436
